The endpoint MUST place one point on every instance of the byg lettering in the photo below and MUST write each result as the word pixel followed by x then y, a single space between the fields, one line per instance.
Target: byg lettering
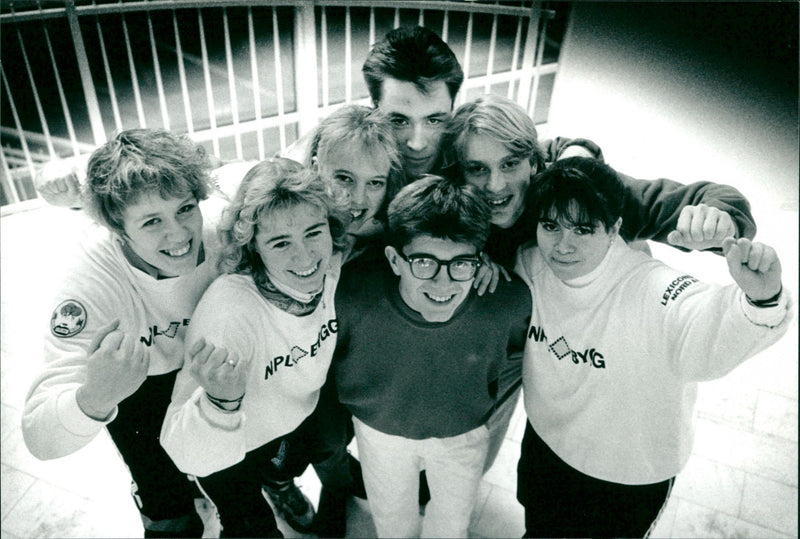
pixel 590 355
pixel 297 353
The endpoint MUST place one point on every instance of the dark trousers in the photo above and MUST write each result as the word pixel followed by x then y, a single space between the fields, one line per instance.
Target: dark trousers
pixel 560 501
pixel 236 491
pixel 163 494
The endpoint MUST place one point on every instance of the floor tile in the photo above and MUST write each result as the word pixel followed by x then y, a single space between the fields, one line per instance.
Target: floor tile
pixel 770 504
pixel 666 520
pixel 9 420
pixel 712 484
pixel 15 485
pixel 693 520
pixel 776 415
pixel 725 401
pixel 766 456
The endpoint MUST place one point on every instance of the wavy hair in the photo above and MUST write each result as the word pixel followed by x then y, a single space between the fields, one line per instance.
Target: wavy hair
pixel 139 161
pixel 271 185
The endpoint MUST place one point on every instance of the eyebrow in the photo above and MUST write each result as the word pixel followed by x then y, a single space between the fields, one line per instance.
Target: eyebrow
pixel 158 214
pixel 285 236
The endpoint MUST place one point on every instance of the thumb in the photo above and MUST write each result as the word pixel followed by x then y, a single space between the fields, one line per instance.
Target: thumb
pixel 102 334
pixel 733 255
pixel 675 238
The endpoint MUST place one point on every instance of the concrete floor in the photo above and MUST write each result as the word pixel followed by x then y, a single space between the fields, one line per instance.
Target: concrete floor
pixel 741 481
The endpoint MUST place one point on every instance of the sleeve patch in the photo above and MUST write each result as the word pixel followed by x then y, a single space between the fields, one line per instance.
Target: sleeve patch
pixel 68 319
pixel 676 287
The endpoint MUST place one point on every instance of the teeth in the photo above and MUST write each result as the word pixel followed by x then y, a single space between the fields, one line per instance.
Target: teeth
pixel 500 201
pixel 307 273
pixel 440 299
pixel 179 252
pixel 357 213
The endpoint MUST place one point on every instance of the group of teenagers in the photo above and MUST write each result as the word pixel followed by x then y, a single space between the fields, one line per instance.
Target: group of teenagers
pixel 403 279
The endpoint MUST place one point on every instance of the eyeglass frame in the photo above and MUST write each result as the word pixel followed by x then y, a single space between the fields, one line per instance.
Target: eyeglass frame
pixel 476 258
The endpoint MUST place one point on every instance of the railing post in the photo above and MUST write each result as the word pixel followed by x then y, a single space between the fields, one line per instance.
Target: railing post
pixel 92 105
pixel 305 66
pixel 529 57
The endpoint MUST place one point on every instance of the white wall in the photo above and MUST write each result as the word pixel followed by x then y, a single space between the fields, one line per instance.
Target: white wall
pixel 689 91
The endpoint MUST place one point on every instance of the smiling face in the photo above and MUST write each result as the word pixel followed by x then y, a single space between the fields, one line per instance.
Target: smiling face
pixel 573 249
pixel 165 233
pixel 362 176
pixel 438 298
pixel 500 175
pixel 419 121
pixel 295 245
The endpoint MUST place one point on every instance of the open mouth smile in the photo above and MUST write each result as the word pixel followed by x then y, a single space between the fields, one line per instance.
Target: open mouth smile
pixel 439 299
pixel 358 214
pixel 307 273
pixel 500 202
pixel 179 251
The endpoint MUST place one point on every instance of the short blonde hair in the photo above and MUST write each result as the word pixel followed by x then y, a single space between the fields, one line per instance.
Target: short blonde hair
pixel 273 184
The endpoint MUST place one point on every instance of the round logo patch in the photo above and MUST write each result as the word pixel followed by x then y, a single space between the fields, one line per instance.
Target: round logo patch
pixel 68 319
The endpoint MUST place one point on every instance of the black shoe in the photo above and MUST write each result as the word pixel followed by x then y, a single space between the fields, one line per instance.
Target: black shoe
pixel 292 505
pixel 331 519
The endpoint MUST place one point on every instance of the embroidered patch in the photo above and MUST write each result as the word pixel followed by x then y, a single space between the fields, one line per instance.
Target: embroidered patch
pixel 68 319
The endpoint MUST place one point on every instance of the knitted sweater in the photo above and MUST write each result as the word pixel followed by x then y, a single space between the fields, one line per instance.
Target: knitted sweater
pixel 289 359
pixel 405 376
pixel 611 366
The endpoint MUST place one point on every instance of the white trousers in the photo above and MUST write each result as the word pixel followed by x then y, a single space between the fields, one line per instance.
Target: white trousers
pixel 391 465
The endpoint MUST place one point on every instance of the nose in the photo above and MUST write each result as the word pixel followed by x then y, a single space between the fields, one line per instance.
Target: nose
pixel 416 141
pixel 177 232
pixel 442 276
pixel 496 182
pixel 358 195
pixel 564 244
pixel 303 254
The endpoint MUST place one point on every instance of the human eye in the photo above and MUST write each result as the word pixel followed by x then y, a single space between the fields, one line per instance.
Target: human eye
pixel 151 222
pixel 584 230
pixel 376 184
pixel 474 169
pixel 343 179
pixel 548 226
pixel 511 164
pixel 398 121
pixel 187 208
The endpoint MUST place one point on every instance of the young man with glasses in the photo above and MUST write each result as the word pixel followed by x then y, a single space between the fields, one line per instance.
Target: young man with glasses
pixel 418 356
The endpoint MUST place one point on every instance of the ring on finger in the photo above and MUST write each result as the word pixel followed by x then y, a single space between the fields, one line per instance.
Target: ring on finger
pixel 231 362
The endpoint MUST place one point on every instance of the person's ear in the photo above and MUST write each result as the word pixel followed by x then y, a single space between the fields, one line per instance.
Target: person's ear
pixel 392 256
pixel 614 230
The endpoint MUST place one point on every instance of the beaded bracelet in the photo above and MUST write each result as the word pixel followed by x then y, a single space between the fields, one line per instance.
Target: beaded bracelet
pixel 764 303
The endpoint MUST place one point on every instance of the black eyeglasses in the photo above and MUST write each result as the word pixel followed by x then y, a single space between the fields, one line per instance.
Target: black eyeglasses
pixel 460 268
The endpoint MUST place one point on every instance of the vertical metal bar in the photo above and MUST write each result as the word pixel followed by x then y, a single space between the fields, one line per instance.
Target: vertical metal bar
pixel 89 93
pixel 64 105
pixel 232 84
pixel 348 57
pixel 212 113
pixel 305 57
pixel 526 70
pixel 112 92
pixel 5 180
pixel 371 26
pixel 42 118
pixel 324 53
pixel 421 18
pixel 490 62
pixel 536 74
pixel 12 189
pixel 276 48
pixel 162 100
pixel 187 104
pixel 514 57
pixel 467 51
pixel 445 25
pixel 251 38
pixel 396 22
pixel 137 96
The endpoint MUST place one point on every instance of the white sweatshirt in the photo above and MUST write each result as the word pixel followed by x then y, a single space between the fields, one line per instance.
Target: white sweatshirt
pixel 289 358
pixel 102 287
pixel 610 367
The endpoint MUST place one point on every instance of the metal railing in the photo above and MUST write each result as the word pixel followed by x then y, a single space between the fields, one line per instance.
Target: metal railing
pixel 243 78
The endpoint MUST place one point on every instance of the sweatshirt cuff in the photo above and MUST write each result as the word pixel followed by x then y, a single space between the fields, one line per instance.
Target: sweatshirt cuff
pixel 766 316
pixel 74 420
